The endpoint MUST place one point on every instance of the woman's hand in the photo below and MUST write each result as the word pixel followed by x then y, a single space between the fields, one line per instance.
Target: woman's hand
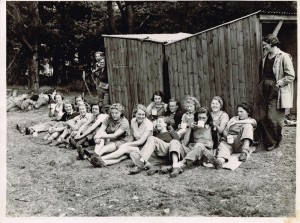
pixel 97 141
pixel 51 130
pixel 73 133
pixel 193 125
pixel 104 135
pixel 280 83
pixel 77 136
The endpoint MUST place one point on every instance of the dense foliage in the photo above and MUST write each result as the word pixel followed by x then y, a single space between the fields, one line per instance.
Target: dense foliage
pixel 62 29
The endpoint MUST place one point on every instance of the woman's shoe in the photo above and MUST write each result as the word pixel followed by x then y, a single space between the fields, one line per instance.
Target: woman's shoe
pixel 97 161
pixel 153 170
pixel 243 157
pixel 175 172
pixel 137 168
pixel 80 151
pixel 166 169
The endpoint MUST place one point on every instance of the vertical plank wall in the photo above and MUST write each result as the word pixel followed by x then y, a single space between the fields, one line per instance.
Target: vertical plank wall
pixel 221 61
pixel 134 71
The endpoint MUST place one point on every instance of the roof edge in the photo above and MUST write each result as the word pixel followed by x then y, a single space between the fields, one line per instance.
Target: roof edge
pixel 224 24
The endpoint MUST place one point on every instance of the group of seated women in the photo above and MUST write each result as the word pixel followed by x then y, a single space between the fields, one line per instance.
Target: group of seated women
pixel 161 137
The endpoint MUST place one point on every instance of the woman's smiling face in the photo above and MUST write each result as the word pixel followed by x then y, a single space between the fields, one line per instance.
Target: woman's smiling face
pixel 140 116
pixel 215 105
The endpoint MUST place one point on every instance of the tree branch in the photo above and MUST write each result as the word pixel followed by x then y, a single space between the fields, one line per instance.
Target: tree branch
pixel 12 61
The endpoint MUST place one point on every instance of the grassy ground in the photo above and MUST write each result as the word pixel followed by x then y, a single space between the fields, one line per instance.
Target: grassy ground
pixel 49 181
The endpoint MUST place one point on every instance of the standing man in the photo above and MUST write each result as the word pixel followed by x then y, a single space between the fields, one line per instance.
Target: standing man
pixel 275 92
pixel 99 76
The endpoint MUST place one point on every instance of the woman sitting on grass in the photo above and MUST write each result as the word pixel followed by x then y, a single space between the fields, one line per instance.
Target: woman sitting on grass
pixel 191 105
pixel 238 134
pixel 203 140
pixel 88 130
pixel 141 129
pixel 111 135
pixel 163 148
pixel 72 126
pixel 59 127
pixel 174 113
pixel 220 118
pixel 157 107
pixel 79 100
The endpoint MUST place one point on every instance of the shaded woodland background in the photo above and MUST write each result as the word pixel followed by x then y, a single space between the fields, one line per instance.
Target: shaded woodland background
pixel 68 33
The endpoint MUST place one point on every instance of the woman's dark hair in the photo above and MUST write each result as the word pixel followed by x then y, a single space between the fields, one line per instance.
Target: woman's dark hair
pixel 158 93
pixel 95 104
pixel 247 107
pixel 78 96
pixel 272 39
pixel 203 110
pixel 168 112
pixel 62 97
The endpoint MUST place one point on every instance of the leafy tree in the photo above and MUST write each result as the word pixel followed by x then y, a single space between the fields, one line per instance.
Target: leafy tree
pixel 59 29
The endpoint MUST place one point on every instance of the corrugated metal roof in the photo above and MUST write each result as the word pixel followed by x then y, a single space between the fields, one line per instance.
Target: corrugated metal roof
pixel 278 13
pixel 160 38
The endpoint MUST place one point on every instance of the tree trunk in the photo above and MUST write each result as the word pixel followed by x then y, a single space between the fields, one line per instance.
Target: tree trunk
pixel 129 11
pixel 33 65
pixel 112 22
pixel 33 74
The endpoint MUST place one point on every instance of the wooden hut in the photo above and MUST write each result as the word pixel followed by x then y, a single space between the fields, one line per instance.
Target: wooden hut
pixel 223 60
pixel 135 66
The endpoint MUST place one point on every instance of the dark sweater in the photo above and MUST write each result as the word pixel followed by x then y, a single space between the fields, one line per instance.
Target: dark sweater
pixel 167 136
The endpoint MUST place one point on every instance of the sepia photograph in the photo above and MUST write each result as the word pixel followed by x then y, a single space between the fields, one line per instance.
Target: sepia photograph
pixel 149 111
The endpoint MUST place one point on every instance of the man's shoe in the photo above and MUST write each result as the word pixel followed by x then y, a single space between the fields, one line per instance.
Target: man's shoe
pixel 270 148
pixel 243 157
pixel 175 172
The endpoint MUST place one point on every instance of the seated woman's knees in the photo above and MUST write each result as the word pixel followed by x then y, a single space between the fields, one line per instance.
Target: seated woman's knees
pixel 151 138
pixel 175 142
pixel 248 127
